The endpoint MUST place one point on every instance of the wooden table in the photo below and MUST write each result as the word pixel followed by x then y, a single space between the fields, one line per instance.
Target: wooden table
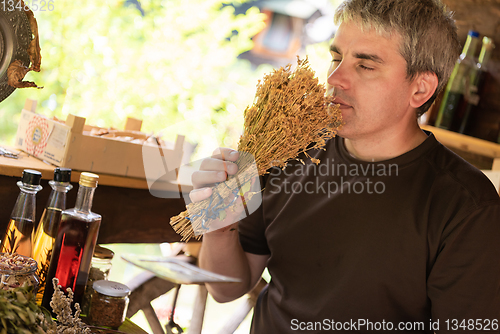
pixel 128 327
pixel 131 328
pixel 130 214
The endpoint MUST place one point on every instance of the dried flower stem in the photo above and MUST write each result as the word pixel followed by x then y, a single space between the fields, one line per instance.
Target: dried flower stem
pixel 61 306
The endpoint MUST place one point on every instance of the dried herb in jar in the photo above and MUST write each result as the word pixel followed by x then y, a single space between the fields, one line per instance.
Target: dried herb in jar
pixel 108 305
pixel 16 271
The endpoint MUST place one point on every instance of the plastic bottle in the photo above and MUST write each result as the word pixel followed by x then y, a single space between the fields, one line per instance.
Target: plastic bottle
pixel 19 234
pixel 48 226
pixel 75 243
pixel 453 105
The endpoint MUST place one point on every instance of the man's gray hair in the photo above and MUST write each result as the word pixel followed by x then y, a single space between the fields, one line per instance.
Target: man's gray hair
pixel 428 31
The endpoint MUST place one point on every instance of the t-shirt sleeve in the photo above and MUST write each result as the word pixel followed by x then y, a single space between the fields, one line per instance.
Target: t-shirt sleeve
pixel 252 229
pixel 464 282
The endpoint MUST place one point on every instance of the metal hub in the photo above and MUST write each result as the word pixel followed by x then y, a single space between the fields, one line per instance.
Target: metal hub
pixel 15 36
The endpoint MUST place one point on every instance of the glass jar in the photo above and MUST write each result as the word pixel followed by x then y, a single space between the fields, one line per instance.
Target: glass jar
pixel 101 263
pixel 18 271
pixel 108 305
pixel 99 270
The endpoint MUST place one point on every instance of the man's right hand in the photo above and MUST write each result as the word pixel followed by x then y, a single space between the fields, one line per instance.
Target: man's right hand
pixel 213 170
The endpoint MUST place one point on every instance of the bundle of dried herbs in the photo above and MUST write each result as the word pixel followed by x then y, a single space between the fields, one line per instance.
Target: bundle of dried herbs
pixel 20 314
pixel 290 115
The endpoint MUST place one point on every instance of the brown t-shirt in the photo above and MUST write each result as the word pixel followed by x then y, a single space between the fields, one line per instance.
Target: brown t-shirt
pixel 386 246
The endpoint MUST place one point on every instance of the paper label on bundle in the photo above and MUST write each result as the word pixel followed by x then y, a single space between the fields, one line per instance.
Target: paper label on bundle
pixel 230 202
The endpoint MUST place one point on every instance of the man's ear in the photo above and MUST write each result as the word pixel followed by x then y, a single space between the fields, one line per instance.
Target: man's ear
pixel 425 85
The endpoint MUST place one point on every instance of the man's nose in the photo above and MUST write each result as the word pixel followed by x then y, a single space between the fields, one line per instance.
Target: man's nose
pixel 338 78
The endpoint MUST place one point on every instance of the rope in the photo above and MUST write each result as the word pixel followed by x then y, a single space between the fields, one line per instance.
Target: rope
pixel 216 204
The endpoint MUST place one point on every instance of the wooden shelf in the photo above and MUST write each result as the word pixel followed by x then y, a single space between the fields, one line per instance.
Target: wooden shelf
pixel 15 167
pixel 454 140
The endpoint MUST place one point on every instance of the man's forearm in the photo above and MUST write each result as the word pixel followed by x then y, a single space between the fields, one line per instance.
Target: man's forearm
pixel 221 253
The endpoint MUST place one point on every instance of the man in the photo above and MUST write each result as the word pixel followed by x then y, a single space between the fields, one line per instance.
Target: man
pixel 395 232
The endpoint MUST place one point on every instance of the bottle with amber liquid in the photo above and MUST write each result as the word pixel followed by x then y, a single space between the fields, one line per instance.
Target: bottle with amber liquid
pixel 75 242
pixel 19 235
pixel 47 228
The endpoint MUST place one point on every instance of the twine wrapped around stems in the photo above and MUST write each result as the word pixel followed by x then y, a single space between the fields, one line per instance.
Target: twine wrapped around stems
pixel 290 115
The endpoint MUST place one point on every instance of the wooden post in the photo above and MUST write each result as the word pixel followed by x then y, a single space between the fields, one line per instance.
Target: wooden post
pixel 242 311
pixel 153 321
pixel 496 164
pixel 133 124
pixel 76 123
pixel 198 311
pixel 30 105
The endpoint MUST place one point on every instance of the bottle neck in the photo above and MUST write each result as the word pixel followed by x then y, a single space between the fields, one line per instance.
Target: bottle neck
pixel 57 197
pixel 470 47
pixel 485 54
pixel 84 199
pixel 25 206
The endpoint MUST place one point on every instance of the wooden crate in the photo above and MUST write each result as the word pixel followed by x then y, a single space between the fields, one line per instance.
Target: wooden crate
pixel 71 145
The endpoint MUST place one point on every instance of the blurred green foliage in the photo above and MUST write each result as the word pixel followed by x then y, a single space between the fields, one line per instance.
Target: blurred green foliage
pixel 105 61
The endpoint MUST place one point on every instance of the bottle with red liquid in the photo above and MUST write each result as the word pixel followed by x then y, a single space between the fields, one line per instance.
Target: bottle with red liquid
pixel 75 242
pixel 19 234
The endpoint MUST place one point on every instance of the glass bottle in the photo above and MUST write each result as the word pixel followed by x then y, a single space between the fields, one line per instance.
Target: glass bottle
pixel 75 243
pixel 48 226
pixel 453 104
pixel 19 234
pixel 477 80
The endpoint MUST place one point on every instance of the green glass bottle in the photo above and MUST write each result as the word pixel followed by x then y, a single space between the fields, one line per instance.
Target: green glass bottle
pixel 453 103
pixel 477 79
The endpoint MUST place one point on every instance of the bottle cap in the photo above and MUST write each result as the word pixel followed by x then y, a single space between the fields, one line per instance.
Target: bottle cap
pixel 488 42
pixel 62 174
pixel 110 288
pixel 88 179
pixel 103 253
pixel 473 33
pixel 32 177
